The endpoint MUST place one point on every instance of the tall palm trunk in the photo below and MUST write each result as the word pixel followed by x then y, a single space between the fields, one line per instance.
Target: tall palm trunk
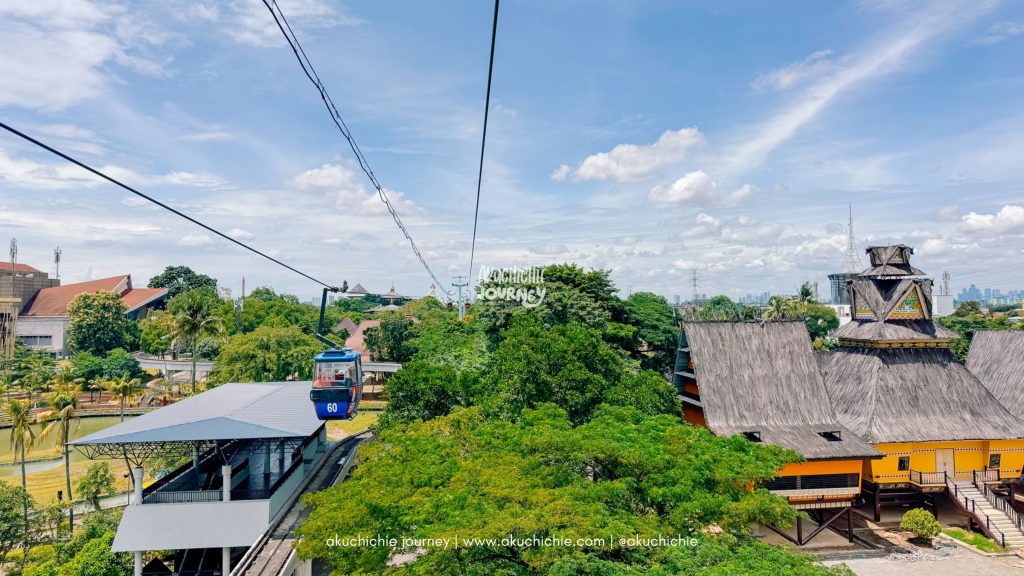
pixel 67 479
pixel 24 501
pixel 195 345
pixel 123 400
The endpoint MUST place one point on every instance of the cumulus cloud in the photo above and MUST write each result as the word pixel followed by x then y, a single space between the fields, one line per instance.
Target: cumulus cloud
pixel 194 240
pixel 560 173
pixel 250 23
pixel 348 192
pixel 633 162
pixel 697 188
pixel 1009 219
pixel 815 65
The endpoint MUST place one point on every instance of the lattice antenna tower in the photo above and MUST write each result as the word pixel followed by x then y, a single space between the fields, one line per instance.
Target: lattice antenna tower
pixel 694 285
pixel 945 282
pixel 14 254
pixel 853 261
pixel 56 262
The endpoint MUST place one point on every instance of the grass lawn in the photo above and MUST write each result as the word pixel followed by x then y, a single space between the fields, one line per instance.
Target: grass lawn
pixel 979 541
pixel 338 429
pixel 43 486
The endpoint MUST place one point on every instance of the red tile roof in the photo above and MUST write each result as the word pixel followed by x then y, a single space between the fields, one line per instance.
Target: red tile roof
pixel 355 340
pixel 23 268
pixel 54 301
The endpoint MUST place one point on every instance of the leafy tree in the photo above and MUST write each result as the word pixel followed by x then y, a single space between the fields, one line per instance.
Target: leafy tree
pixel 63 401
pixel 820 319
pixel 921 523
pixel 34 373
pixel 119 362
pixel 648 392
pixel 572 294
pixel 421 391
pixel 268 354
pixel 97 323
pixel 178 279
pixel 97 482
pixel 968 308
pixel 805 294
pixel 13 499
pixel 569 365
pixel 388 341
pixel 87 366
pixel 657 330
pixel 124 390
pixel 966 324
pixel 622 474
pixel 195 318
pixel 721 307
pixel 157 334
pixel 23 436
pixel 96 559
pixel 445 341
pixel 779 308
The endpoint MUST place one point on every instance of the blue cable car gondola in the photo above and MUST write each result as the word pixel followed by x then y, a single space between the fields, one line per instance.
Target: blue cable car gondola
pixel 337 384
pixel 337 376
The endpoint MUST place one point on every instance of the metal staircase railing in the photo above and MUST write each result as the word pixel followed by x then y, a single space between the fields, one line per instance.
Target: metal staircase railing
pixel 1001 504
pixel 970 506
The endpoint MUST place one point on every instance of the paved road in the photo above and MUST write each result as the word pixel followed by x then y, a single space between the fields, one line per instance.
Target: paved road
pixel 961 563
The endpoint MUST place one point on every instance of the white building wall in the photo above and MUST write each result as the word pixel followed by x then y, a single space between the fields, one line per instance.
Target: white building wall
pixel 53 326
pixel 942 306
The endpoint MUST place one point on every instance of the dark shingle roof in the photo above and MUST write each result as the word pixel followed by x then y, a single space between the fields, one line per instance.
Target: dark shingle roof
pixel 765 378
pixel 913 395
pixel 996 358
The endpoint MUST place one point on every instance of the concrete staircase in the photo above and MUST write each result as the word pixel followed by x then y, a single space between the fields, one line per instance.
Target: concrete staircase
pixel 987 515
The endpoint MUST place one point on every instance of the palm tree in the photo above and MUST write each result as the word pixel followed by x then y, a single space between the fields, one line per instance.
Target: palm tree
pixel 195 318
pixel 777 308
pixel 63 401
pixel 36 375
pixel 23 436
pixel 124 390
pixel 805 294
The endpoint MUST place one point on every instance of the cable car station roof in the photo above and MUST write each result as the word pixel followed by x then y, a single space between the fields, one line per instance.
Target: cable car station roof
pixel 266 411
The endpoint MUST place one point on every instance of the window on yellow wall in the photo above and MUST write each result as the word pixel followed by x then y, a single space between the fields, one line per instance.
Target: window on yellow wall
pixel 993 460
pixel 904 464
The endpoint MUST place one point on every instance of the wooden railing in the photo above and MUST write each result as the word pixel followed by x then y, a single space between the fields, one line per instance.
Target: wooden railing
pixel 921 478
pixel 969 505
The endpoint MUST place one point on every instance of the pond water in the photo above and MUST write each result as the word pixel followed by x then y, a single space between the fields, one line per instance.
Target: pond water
pixel 46 449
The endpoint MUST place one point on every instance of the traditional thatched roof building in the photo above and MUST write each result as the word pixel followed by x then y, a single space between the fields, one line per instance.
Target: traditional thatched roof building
pixel 894 382
pixel 996 357
pixel 763 378
pixel 762 381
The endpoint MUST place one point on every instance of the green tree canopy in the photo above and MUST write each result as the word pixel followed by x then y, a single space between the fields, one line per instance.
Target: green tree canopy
pixel 388 341
pixel 98 481
pixel 620 475
pixel 119 362
pixel 178 279
pixel 87 366
pixel 820 319
pixel 268 354
pixel 657 330
pixel 97 323
pixel 157 332
pixel 13 500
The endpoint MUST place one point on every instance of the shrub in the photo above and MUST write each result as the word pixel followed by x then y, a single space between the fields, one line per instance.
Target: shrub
pixel 921 523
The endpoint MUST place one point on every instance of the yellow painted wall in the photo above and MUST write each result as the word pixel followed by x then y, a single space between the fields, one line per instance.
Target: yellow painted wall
pixel 968 456
pixel 821 467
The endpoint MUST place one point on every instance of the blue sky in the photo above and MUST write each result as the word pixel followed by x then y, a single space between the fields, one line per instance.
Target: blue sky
pixel 651 138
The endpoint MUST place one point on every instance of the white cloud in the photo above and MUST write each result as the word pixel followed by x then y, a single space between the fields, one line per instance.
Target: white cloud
pixel 200 180
pixel 560 173
pixel 1001 31
pixel 793 73
pixel 1009 219
pixel 251 22
pixel 697 188
pixel 208 136
pixel 194 240
pixel 56 54
pixel 634 163
pixel 886 55
pixel 349 194
pixel 240 234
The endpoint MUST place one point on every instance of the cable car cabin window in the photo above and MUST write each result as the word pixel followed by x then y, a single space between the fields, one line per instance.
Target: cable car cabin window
pixel 335 375
pixel 993 461
pixel 904 464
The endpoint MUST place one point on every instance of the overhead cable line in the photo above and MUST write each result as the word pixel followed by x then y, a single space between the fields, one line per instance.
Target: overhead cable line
pixel 117 182
pixel 483 139
pixel 310 72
